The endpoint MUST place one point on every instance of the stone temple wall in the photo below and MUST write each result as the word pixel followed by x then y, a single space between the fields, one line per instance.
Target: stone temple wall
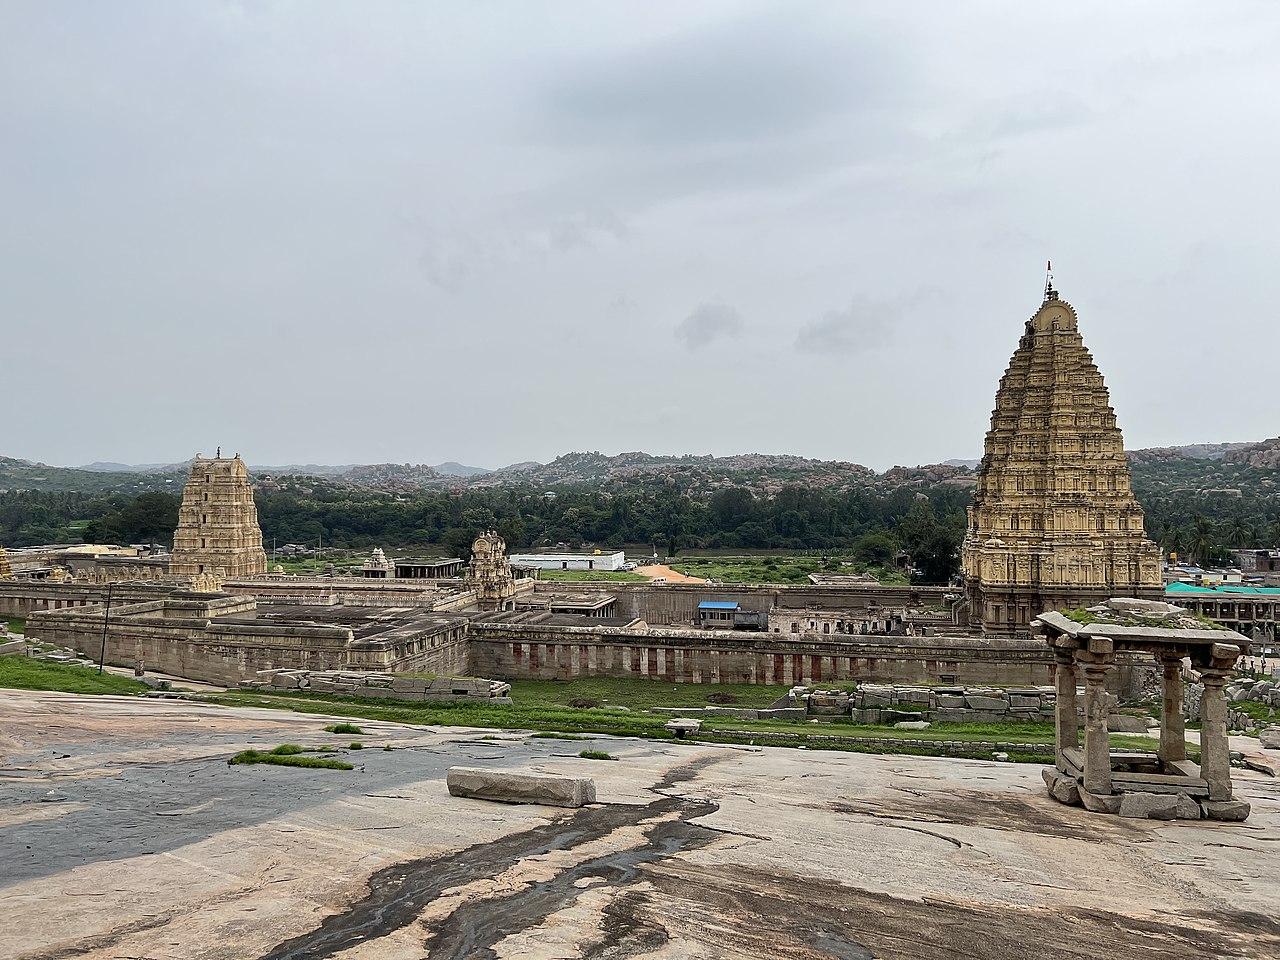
pixel 514 651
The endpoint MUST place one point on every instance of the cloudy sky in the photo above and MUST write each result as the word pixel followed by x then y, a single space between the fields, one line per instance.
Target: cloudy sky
pixel 491 232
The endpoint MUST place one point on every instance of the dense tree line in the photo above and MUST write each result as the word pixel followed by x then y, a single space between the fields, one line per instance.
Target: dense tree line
pixel 1197 517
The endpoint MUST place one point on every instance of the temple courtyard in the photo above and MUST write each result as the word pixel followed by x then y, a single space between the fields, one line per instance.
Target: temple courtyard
pixel 124 833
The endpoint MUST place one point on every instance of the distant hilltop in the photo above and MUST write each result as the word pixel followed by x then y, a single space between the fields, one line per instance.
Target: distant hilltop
pixel 694 474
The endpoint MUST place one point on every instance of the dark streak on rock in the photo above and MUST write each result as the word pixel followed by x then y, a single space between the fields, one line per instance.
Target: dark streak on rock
pixel 398 894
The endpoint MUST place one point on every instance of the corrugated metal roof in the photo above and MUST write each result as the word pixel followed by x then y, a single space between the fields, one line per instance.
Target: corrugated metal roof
pixel 1230 589
pixel 718 605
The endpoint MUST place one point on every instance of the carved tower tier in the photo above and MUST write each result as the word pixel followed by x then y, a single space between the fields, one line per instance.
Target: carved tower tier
pixel 218 534
pixel 1054 524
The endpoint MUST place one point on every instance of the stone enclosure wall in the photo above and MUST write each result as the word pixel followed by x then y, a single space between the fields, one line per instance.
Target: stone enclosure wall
pixel 537 651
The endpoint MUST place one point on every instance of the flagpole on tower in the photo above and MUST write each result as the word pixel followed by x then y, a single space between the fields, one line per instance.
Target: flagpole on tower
pixel 1049 292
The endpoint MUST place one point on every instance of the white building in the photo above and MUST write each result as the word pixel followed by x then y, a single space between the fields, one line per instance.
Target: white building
pixel 571 561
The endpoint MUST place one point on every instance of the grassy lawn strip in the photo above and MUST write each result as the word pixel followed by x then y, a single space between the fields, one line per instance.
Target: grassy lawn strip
pixel 24 673
pixel 288 755
pixel 562 722
pixel 643 694
pixel 16 624
pixel 793 570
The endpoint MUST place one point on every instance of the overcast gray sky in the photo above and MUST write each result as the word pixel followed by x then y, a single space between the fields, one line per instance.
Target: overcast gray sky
pixel 359 232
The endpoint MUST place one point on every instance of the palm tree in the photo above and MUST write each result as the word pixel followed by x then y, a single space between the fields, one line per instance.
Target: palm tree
pixel 1203 542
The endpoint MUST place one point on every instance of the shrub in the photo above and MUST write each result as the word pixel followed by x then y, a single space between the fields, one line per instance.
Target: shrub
pixel 596 755
pixel 355 745
pixel 343 727
pixel 287 759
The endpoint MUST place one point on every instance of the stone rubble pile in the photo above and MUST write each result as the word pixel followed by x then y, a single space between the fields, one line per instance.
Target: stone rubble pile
pixel 1143 805
pixel 1266 692
pixel 885 703
pixel 390 686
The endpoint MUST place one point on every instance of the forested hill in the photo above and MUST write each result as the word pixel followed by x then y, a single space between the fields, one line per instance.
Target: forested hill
pixel 1196 504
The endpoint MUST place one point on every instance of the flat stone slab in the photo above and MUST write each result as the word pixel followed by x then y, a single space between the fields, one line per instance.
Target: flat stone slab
pixel 520 786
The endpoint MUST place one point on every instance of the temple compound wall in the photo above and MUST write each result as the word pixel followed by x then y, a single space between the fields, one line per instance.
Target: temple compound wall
pixel 533 651
pixel 225 639
pixel 1054 523
pixel 22 598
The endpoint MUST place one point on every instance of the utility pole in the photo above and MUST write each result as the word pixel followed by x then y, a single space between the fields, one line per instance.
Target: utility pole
pixel 106 619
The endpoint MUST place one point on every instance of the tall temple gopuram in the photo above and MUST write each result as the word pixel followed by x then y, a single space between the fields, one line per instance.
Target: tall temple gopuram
pixel 218 534
pixel 1054 524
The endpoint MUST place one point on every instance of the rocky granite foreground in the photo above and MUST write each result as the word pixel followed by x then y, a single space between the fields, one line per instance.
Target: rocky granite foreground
pixel 125 833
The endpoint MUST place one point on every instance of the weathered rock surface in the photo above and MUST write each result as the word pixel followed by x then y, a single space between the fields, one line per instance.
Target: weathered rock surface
pixel 520 786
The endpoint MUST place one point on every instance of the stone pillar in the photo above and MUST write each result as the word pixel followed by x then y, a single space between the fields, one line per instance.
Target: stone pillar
pixel 1215 753
pixel 1066 724
pixel 1173 730
pixel 1097 745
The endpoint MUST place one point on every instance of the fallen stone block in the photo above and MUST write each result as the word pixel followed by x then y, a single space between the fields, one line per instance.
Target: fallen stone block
pixel 948 700
pixel 682 726
pixel 1123 723
pixel 912 725
pixel 520 786
pixel 1100 803
pixel 993 704
pixel 1061 788
pixel 1187 808
pixel 1148 806
pixel 1269 737
pixel 953 714
pixel 1232 811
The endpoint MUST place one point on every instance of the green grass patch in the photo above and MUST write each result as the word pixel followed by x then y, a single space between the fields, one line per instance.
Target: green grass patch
pixel 355 745
pixel 16 624
pixel 580 576
pixel 24 673
pixel 544 706
pixel 596 755
pixel 343 727
pixel 287 755
pixel 642 694
pixel 777 569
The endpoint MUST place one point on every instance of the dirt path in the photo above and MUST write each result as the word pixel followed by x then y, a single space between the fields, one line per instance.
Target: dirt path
pixel 671 576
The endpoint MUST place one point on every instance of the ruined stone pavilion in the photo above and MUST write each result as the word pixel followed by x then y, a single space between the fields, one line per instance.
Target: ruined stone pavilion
pixel 1054 523
pixel 1167 786
pixel 218 536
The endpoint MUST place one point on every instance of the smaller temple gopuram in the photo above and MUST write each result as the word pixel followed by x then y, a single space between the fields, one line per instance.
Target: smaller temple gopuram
pixel 1054 523
pixel 218 536
pixel 6 571
pixel 490 574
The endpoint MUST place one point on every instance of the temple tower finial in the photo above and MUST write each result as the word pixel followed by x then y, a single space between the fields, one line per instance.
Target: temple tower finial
pixel 1049 292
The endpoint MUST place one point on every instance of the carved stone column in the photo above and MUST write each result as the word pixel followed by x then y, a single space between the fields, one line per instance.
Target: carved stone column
pixel 1097 744
pixel 1173 729
pixel 1215 752
pixel 1066 724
